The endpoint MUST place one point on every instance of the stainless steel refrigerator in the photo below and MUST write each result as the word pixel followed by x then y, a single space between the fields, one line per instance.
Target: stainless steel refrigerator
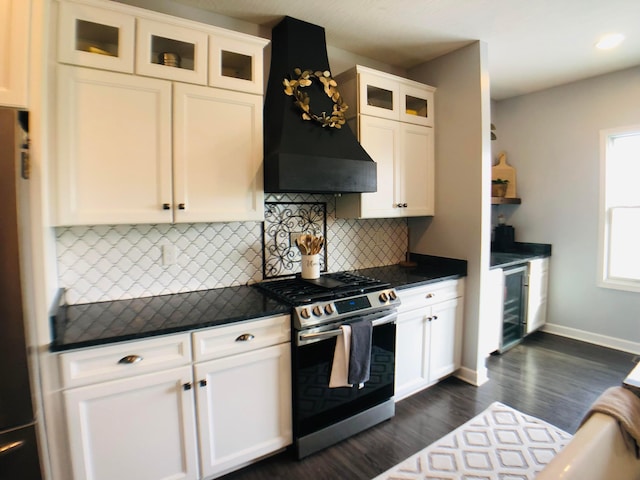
pixel 18 446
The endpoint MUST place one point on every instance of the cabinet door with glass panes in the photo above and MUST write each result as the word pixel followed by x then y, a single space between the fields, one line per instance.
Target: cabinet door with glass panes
pixel 170 51
pixel 235 62
pixel 95 37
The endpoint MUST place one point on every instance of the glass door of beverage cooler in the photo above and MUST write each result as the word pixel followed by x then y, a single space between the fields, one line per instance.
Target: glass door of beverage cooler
pixel 514 306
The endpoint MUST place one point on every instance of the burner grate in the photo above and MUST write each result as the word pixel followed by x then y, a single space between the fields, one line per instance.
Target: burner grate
pixel 330 286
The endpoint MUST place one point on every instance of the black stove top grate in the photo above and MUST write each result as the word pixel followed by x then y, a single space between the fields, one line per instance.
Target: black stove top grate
pixel 330 286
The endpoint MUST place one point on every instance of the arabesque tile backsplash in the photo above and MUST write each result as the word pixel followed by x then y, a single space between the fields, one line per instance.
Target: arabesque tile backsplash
pixel 113 262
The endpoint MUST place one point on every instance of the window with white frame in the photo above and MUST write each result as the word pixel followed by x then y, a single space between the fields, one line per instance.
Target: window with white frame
pixel 620 208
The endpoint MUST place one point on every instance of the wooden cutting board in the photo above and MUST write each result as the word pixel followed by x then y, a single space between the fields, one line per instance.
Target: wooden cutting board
pixel 505 171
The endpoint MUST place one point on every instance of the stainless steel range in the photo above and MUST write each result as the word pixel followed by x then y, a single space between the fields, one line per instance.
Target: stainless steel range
pixel 323 416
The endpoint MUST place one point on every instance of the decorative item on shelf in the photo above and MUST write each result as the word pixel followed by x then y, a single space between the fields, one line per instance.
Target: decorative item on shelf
pixel 303 102
pixel 493 135
pixel 499 187
pixel 169 59
pixel 505 172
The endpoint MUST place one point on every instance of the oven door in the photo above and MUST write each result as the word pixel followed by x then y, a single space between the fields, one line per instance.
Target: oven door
pixel 315 405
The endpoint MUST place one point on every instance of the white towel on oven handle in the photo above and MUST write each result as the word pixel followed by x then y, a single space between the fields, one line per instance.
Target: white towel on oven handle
pixel 340 368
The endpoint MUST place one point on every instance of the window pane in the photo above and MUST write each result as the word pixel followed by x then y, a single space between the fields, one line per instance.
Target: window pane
pixel 624 243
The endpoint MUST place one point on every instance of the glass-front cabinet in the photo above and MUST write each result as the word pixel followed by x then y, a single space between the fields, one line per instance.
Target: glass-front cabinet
pixel 96 37
pixel 171 52
pixel 417 105
pixel 378 96
pixel 386 96
pixel 236 64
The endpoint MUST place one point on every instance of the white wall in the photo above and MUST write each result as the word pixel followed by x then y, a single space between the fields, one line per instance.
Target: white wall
pixel 552 139
pixel 461 225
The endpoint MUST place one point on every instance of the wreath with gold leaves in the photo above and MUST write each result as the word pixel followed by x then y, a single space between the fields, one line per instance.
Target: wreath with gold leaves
pixel 302 101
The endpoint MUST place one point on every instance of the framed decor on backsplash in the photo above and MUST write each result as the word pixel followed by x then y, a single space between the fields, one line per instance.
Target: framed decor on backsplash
pixel 283 223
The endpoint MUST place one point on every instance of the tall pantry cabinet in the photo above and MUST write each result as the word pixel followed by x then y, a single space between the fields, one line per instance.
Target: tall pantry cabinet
pixel 15 16
pixel 394 120
pixel 159 119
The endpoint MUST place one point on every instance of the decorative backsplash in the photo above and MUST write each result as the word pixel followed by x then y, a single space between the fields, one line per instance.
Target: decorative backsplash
pixel 113 262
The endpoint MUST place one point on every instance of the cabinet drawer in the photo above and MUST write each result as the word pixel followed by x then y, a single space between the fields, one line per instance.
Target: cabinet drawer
pixel 122 360
pixel 241 337
pixel 424 296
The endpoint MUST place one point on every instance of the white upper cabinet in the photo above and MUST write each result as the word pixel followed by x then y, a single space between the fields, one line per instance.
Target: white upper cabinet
pixel 156 145
pixel 235 62
pixel 172 52
pixel 394 122
pixel 95 37
pixel 416 104
pixel 379 94
pixel 114 148
pixel 14 52
pixel 218 155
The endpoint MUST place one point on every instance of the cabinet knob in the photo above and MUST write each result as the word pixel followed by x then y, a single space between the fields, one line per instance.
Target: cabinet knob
pixel 166 206
pixel 181 206
pixel 435 317
pixel 399 205
pixel 130 359
pixel 186 386
pixel 202 383
pixel 430 295
pixel 245 337
pixel 404 205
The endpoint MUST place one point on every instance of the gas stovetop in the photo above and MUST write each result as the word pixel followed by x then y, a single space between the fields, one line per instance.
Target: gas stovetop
pixel 332 297
pixel 330 286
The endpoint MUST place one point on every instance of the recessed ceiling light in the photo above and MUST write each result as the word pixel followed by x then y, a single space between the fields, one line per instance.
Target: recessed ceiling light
pixel 610 40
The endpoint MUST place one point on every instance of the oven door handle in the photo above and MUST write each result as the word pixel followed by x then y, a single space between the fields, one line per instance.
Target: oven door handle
pixel 317 336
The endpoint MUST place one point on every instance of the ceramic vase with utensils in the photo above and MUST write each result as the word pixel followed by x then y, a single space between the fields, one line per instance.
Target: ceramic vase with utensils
pixel 311 266
pixel 310 246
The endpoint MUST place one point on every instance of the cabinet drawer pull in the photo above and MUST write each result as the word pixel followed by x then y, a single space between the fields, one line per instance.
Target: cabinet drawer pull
pixel 203 383
pixel 166 206
pixel 186 386
pixel 7 447
pixel 130 359
pixel 245 337
pixel 181 206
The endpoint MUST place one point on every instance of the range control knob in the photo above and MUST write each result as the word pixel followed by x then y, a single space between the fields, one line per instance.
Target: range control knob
pixel 304 313
pixel 392 295
pixel 329 309
pixel 317 311
pixel 383 297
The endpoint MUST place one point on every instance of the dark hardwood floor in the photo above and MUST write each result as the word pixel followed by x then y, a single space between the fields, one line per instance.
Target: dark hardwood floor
pixel 550 377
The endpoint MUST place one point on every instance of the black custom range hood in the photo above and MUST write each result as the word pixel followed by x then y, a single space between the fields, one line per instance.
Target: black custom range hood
pixel 302 155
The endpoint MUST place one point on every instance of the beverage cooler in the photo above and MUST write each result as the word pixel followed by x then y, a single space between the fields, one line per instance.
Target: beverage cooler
pixel 514 319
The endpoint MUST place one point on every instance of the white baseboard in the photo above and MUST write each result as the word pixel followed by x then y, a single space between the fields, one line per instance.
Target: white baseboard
pixel 595 338
pixel 474 377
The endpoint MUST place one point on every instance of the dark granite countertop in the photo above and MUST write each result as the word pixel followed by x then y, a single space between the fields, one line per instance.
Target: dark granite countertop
pixel 101 323
pixel 518 254
pixel 84 325
pixel 429 269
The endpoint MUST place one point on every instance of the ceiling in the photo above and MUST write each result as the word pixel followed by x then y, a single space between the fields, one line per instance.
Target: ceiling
pixel 532 45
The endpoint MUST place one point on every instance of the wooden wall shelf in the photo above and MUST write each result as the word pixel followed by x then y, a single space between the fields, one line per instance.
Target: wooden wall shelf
pixel 505 201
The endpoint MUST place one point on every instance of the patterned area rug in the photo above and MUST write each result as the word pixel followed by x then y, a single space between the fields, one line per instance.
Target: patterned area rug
pixel 501 443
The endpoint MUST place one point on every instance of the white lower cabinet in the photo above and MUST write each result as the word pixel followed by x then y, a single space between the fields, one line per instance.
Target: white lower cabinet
pixel 244 411
pixel 429 335
pixel 160 416
pixel 138 428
